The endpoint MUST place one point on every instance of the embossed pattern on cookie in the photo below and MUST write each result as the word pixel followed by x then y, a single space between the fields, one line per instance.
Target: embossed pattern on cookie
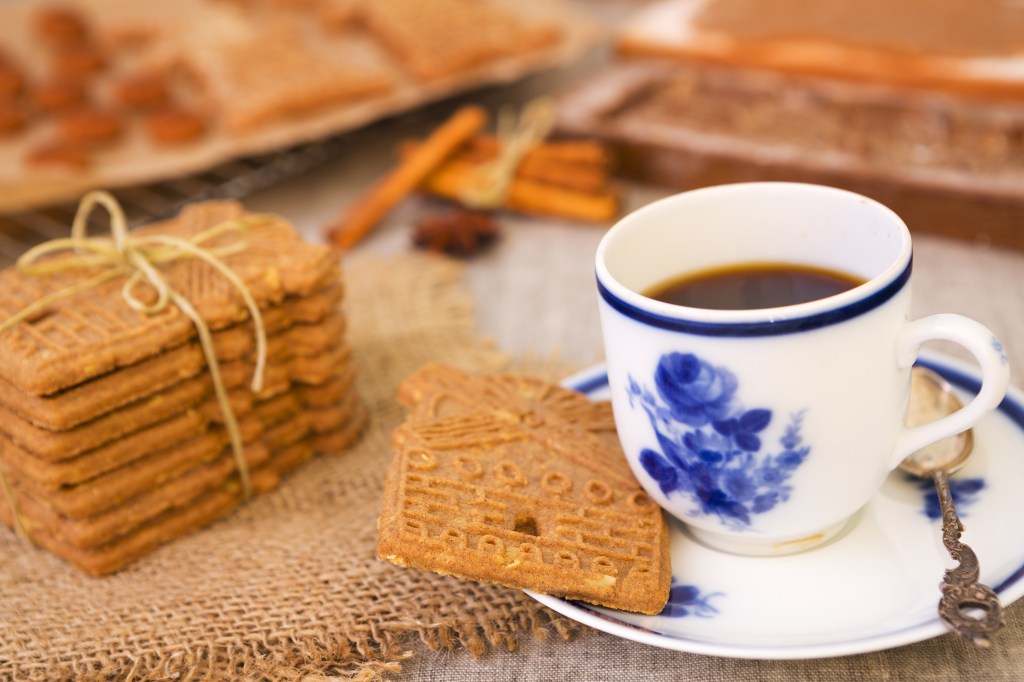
pixel 95 331
pixel 519 482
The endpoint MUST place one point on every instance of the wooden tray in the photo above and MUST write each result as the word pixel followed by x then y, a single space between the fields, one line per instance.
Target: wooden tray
pixel 134 161
pixel 947 166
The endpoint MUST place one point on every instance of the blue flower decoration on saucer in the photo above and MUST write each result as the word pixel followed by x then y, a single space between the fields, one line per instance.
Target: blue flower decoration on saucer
pixel 711 447
pixel 687 600
pixel 965 492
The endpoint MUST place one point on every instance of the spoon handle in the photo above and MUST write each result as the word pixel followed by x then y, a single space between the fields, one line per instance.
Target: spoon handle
pixel 967 607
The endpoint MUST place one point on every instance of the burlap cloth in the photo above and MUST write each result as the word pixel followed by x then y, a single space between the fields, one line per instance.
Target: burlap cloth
pixel 288 587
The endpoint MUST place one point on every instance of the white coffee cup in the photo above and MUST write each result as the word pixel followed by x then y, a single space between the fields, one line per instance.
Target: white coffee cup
pixel 766 430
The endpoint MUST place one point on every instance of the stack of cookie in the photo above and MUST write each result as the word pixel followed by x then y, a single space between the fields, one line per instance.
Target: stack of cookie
pixel 112 440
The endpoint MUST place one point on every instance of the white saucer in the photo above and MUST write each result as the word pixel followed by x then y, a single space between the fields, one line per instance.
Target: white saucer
pixel 874 588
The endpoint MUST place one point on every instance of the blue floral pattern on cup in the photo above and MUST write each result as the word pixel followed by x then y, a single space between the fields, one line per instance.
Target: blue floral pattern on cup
pixel 710 446
pixel 963 490
pixel 998 346
pixel 686 600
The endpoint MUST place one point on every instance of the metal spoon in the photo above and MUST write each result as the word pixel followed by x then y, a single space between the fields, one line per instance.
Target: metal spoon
pixel 967 607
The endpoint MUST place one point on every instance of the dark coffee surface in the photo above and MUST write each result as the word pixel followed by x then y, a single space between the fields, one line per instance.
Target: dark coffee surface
pixel 748 286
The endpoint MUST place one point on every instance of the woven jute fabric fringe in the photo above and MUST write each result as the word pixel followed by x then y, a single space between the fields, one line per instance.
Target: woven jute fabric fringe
pixel 288 587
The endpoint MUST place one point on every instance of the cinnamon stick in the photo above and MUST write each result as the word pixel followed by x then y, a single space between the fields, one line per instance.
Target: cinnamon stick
pixel 588 152
pixel 580 177
pixel 539 165
pixel 528 196
pixel 366 212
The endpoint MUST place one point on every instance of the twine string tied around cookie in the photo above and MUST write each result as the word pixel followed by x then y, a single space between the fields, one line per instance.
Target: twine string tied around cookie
pixel 139 257
pixel 490 184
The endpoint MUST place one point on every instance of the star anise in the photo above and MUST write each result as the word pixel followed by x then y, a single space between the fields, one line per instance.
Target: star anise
pixel 459 232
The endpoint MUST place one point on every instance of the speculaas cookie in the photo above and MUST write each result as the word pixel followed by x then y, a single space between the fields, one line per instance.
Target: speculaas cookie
pixel 274 74
pixel 444 37
pixel 331 392
pixel 83 402
pixel 94 331
pixel 118 520
pixel 170 525
pixel 282 369
pixel 115 520
pixel 203 510
pixel 109 427
pixel 53 474
pixel 342 433
pixel 337 440
pixel 91 495
pixel 284 418
pixel 181 427
pixel 312 307
pixel 124 422
pixel 327 419
pixel 79 404
pixel 90 492
pixel 315 370
pixel 515 481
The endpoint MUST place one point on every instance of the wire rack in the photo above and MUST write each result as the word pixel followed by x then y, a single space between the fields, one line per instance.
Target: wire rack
pixel 232 180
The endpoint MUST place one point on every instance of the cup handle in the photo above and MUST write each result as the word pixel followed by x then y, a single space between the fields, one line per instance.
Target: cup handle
pixel 995 376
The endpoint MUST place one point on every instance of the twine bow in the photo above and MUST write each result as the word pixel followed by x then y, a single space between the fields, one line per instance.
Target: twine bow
pixel 490 184
pixel 139 257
